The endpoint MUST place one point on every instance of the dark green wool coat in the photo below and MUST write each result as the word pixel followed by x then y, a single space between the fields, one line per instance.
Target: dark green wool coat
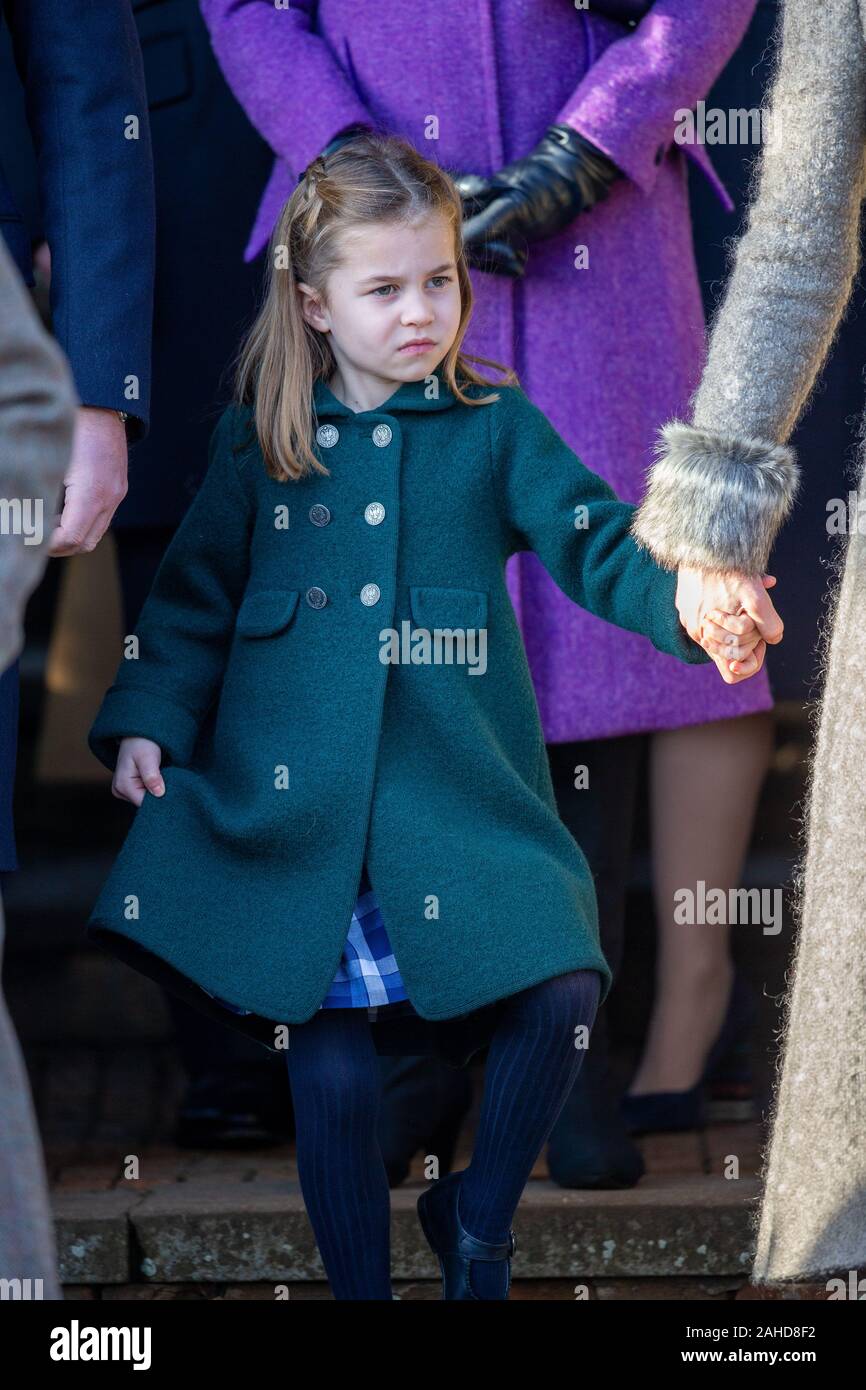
pixel 290 750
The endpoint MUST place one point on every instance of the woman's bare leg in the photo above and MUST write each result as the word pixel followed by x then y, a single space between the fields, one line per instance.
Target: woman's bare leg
pixel 705 780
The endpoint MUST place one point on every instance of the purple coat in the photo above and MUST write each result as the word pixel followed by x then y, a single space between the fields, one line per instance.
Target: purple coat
pixel 610 352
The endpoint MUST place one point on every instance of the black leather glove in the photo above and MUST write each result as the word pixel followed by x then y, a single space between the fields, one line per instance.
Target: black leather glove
pixel 532 198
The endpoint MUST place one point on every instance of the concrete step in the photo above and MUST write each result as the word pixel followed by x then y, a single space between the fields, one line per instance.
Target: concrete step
pixel 252 1227
pixel 155 1216
pixel 259 1231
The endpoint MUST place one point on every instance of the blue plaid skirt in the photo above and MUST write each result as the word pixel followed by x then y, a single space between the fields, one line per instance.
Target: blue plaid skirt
pixel 367 976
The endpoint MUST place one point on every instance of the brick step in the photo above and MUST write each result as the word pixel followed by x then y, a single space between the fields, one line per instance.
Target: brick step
pixel 252 1227
pixel 129 1212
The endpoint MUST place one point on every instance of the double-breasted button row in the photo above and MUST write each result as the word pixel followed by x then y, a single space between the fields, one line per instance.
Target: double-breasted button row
pixel 327 436
pixel 370 594
pixel 374 513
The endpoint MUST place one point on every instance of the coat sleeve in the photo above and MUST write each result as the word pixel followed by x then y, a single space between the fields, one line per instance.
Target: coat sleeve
pixel 284 75
pixel 37 416
pixel 186 623
pixel 627 102
pixel 542 490
pixel 722 486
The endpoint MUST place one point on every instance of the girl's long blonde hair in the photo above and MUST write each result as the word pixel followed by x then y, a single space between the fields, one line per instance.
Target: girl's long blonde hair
pixel 371 178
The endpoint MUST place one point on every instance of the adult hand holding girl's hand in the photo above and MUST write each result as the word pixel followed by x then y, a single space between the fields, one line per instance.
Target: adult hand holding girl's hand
pixel 731 616
pixel 137 770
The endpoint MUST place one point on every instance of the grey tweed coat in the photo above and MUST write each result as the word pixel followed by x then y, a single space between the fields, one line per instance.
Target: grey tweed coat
pixel 37 415
pixel 720 489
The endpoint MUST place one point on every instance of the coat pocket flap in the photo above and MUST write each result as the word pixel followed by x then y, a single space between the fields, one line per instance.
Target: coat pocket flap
pixel 454 608
pixel 267 612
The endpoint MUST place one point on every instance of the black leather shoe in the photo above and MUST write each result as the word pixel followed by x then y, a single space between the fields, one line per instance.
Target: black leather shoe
pixel 589 1145
pixel 440 1222
pixel 726 1079
pixel 665 1112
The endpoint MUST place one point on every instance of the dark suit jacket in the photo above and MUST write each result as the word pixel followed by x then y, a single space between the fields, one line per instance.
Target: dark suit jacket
pixel 81 69
pixel 210 168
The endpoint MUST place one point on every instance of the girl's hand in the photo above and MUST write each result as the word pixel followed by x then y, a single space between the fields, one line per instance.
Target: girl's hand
pixel 137 770
pixel 723 601
pixel 732 635
pixel 733 671
pixel 734 643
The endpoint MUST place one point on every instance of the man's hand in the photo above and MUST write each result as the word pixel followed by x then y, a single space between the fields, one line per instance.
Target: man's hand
pixel 95 482
pixel 720 611
pixel 137 770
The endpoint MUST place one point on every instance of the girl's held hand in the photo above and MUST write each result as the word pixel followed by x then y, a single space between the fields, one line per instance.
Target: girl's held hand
pixel 137 770
pixel 734 643
pixel 732 671
pixel 732 617
pixel 731 635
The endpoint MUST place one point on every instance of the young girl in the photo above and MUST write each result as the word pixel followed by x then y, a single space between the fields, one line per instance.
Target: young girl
pixel 328 699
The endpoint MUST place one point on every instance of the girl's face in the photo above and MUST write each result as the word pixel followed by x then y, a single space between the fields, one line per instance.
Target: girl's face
pixel 395 284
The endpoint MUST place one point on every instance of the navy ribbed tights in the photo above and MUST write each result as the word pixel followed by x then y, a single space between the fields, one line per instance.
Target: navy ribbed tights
pixel 532 1062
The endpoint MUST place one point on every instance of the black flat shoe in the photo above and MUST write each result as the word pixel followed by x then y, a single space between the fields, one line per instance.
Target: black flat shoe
pixel 728 1068
pixel 589 1146
pixel 440 1222
pixel 663 1112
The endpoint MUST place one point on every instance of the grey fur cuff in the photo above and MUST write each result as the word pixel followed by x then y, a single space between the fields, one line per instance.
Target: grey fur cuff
pixel 715 501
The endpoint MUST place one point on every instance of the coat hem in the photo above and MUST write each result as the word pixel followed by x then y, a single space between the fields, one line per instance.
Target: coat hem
pixel 259 1024
pixel 454 1039
pixel 484 1000
pixel 662 725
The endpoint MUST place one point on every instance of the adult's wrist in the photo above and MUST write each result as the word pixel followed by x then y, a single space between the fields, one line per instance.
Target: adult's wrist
pixel 715 501
pixel 594 171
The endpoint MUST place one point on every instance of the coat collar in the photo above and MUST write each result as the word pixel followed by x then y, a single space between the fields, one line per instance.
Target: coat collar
pixel 411 395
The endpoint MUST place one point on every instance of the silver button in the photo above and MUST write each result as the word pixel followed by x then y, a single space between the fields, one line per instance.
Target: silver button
pixel 316 598
pixel 374 512
pixel 319 515
pixel 327 436
pixel 382 435
pixel 370 595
